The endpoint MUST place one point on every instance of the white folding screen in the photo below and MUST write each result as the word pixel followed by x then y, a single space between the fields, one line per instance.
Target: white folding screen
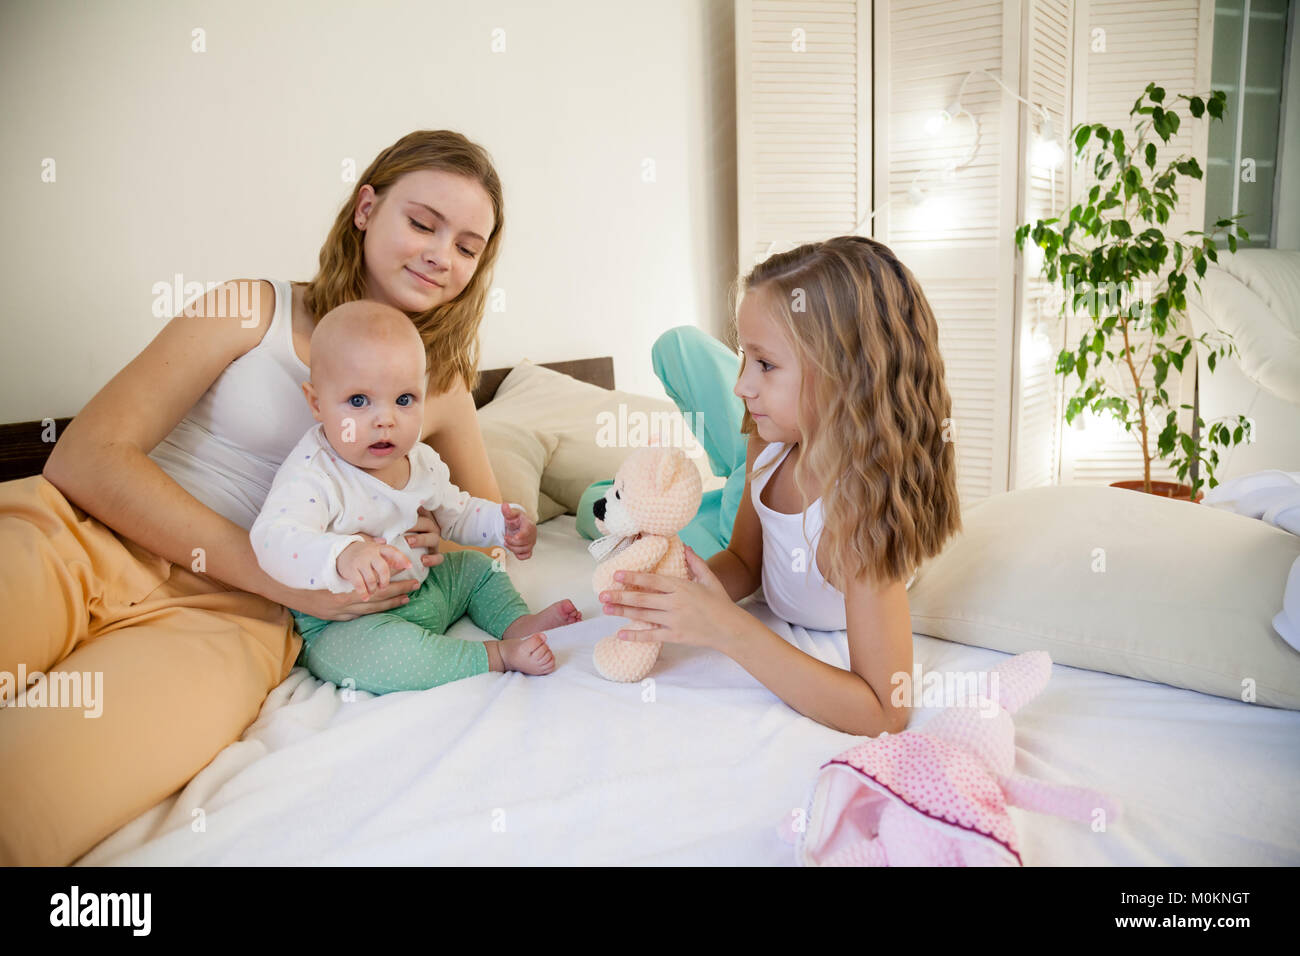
pixel 1045 78
pixel 803 121
pixel 833 98
pixel 1121 46
pixel 954 232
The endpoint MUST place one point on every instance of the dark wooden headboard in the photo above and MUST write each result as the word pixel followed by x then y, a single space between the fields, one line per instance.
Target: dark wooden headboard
pixel 23 450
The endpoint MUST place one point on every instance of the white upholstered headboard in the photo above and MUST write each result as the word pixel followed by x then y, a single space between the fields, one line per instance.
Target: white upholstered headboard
pixel 1254 295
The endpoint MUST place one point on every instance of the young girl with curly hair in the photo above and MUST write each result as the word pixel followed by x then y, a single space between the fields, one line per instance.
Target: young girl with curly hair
pixel 849 481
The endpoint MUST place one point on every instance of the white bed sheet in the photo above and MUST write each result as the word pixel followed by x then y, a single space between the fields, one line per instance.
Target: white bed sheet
pixel 572 769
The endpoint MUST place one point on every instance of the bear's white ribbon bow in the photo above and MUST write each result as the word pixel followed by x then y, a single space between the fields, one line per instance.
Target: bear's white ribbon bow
pixel 610 545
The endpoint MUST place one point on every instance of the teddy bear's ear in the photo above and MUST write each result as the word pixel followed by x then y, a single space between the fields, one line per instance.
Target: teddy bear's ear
pixel 669 461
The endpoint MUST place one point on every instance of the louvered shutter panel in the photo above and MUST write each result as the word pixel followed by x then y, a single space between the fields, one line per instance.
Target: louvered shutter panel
pixel 1036 400
pixel 959 243
pixel 803 122
pixel 1167 42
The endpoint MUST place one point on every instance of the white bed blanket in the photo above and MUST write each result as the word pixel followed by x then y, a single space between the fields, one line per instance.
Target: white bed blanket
pixel 572 769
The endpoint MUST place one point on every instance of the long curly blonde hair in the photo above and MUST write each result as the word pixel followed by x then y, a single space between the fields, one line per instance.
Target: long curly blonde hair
pixel 450 330
pixel 867 345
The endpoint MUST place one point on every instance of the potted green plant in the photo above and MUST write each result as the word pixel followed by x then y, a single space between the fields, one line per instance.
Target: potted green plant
pixel 1114 263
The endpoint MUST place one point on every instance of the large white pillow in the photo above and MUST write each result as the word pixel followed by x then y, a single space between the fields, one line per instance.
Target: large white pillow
pixel 1119 581
pixel 592 433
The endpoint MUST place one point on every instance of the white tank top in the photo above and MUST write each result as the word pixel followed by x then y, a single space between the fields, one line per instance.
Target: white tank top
pixel 793 585
pixel 226 450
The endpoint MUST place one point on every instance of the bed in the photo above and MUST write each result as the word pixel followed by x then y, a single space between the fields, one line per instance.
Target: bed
pixel 571 769
pixel 706 767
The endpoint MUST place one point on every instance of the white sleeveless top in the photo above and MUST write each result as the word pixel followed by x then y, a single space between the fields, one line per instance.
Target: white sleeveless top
pixel 226 450
pixel 793 585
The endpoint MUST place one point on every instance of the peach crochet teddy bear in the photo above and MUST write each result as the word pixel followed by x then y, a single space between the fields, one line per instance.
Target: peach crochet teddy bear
pixel 654 495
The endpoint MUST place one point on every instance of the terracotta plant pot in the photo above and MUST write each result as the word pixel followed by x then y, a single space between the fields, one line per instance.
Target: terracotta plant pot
pixel 1166 489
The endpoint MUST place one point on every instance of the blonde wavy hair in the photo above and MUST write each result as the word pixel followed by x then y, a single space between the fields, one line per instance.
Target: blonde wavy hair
pixel 450 330
pixel 867 345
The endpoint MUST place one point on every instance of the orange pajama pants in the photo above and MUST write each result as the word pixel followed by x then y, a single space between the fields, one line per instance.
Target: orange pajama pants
pixel 183 664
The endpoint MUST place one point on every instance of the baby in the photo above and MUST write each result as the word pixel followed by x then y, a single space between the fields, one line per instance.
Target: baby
pixel 363 471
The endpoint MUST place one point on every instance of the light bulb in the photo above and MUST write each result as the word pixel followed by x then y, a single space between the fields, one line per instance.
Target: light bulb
pixel 1035 347
pixel 1034 257
pixel 941 118
pixel 1047 152
pixel 937 121
pixel 1042 345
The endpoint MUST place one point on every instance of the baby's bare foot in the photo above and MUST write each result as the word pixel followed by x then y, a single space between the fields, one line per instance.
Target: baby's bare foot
pixel 528 655
pixel 557 615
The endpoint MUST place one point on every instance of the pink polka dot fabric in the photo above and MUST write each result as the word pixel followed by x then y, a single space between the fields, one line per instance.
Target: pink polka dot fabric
pixel 938 781
pixel 939 796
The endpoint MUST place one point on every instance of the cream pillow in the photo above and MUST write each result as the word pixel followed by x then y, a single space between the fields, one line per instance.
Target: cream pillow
pixel 518 456
pixel 547 507
pixel 592 434
pixel 1122 582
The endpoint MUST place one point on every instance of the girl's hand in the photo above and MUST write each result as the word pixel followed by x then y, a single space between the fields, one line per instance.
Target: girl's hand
pixel 328 606
pixel 521 533
pixel 426 534
pixel 697 612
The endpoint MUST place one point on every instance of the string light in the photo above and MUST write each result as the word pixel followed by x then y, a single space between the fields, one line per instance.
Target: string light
pixel 1047 151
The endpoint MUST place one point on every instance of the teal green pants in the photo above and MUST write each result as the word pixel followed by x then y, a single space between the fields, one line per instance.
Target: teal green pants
pixel 407 648
pixel 698 372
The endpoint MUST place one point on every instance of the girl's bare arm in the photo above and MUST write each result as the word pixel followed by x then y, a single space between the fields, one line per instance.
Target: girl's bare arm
pixel 856 701
pixel 740 566
pixel 451 429
pixel 101 462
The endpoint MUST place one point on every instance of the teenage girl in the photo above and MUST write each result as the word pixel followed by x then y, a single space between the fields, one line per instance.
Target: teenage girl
pixel 849 481
pixel 129 556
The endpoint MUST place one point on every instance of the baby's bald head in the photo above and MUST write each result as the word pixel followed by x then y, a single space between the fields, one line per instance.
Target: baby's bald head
pixel 363 328
pixel 368 383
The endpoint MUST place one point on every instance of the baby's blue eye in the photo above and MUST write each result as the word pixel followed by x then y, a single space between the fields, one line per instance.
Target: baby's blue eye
pixel 353 401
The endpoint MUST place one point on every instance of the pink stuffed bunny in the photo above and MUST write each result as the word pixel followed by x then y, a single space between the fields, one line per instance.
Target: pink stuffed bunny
pixel 655 494
pixel 938 797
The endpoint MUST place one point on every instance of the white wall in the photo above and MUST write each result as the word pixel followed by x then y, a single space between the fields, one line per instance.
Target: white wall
pixel 1287 200
pixel 226 163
